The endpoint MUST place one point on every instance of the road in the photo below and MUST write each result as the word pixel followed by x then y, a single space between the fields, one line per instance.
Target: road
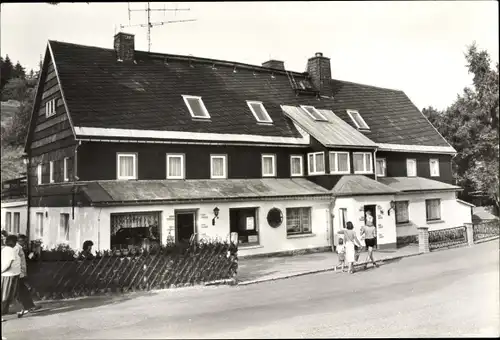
pixel 451 293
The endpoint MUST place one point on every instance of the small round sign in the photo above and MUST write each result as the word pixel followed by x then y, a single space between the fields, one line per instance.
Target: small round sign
pixel 275 217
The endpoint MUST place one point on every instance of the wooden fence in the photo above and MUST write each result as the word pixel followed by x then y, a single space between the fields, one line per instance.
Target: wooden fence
pixel 196 264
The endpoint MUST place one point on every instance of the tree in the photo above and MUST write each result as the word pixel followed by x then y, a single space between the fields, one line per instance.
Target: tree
pixel 6 71
pixel 19 71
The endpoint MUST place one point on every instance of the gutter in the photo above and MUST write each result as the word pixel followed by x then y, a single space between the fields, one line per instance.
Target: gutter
pixel 332 216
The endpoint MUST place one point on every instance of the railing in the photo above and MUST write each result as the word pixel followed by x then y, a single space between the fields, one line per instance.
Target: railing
pixel 447 237
pixel 486 229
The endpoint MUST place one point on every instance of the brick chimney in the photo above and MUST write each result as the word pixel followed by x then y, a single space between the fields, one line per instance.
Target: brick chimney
pixel 318 68
pixel 124 47
pixel 276 64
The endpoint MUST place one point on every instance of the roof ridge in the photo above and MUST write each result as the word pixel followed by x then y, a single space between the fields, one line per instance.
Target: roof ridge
pixel 367 85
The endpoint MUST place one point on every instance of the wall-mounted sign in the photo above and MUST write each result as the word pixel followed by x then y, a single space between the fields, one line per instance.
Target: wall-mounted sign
pixel 380 217
pixel 253 238
pixel 203 216
pixel 380 226
pixel 171 218
pixel 362 208
pixel 274 217
pixel 380 235
pixel 250 223
pixel 361 218
pixel 204 226
pixel 379 207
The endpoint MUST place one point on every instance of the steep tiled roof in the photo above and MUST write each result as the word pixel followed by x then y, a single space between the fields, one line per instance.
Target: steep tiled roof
pixel 199 190
pixel 350 185
pixel 103 93
pixel 416 184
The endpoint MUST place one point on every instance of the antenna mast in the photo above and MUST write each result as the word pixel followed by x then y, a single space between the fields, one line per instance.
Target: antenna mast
pixel 150 24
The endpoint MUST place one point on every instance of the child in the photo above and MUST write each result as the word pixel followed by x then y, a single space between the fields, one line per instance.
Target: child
pixel 341 253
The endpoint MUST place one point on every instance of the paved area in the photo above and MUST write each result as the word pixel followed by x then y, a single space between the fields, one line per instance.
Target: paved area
pixel 271 268
pixel 449 293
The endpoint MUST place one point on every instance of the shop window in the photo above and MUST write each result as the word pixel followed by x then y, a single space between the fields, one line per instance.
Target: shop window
pixel 402 214
pixel 298 221
pixel 131 230
pixel 244 222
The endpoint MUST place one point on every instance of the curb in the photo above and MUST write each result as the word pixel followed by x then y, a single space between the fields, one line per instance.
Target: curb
pixel 245 283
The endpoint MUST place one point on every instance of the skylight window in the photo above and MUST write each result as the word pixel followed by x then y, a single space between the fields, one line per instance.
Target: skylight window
pixel 313 112
pixel 196 107
pixel 259 112
pixel 358 120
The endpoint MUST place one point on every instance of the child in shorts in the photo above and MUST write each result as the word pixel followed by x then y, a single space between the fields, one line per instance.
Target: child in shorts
pixel 341 254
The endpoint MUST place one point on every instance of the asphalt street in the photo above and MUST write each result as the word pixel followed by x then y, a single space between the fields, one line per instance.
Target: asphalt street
pixel 451 293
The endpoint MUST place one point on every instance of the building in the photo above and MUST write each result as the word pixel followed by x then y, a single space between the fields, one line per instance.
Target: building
pixel 14 206
pixel 129 147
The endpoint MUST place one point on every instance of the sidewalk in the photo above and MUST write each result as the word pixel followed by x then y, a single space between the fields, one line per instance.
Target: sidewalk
pixel 256 270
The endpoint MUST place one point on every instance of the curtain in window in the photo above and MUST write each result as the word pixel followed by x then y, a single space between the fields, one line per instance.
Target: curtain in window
pixel 402 212
pixel 17 217
pixel 126 166
pixel 333 162
pixel 134 220
pixel 343 162
pixel 311 163
pixel 434 168
pixel 267 163
pixel 8 222
pixel 433 209
pixel 217 166
pixel 64 227
pixel 358 162
pixel 343 217
pixel 320 162
pixel 380 167
pixel 298 220
pixel 411 167
pixel 175 166
pixel 39 225
pixel 296 168
pixel 368 161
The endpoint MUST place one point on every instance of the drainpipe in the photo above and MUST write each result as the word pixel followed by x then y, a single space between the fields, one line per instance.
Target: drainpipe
pixel 28 184
pixel 332 233
pixel 375 163
pixel 75 178
pixel 99 230
pixel 451 165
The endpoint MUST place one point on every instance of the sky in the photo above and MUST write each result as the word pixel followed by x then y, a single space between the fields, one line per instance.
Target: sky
pixel 416 46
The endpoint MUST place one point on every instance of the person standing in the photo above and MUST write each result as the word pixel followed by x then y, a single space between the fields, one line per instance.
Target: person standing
pixel 24 296
pixel 11 269
pixel 369 231
pixel 351 240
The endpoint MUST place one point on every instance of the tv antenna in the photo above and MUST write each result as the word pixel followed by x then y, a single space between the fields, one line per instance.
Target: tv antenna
pixel 150 24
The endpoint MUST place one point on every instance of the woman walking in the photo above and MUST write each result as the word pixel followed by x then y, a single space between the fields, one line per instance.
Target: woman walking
pixel 11 269
pixel 351 240
pixel 369 232
pixel 24 296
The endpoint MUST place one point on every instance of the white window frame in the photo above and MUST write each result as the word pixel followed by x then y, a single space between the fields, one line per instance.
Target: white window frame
pixel 39 225
pixel 301 165
pixel 273 156
pixel 306 107
pixel 440 211
pixel 314 172
pixel 336 171
pixel 183 165
pixel 50 108
pixel 126 154
pixel 268 118
pixel 65 169
pixel 301 232
pixel 408 168
pixel 224 158
pixel 16 227
pixel 343 219
pixel 65 237
pixel 430 167
pixel 8 221
pixel 353 112
pixel 202 104
pixel 51 171
pixel 396 212
pixel 385 167
pixel 39 173
pixel 364 163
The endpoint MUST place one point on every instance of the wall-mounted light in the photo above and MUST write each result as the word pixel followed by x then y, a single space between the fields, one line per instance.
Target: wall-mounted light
pixel 393 207
pixel 216 214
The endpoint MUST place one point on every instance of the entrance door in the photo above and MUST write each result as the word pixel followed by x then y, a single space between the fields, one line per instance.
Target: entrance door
pixel 373 210
pixel 184 225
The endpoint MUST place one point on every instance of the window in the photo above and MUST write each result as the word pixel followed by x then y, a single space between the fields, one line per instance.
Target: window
pixel 17 222
pixel 218 167
pixel 65 170
pixel 358 120
pixel 381 167
pixel 433 209
pixel 244 221
pixel 39 173
pixel 268 165
pixel 64 228
pixel 434 165
pixel 51 171
pixel 339 163
pixel 132 229
pixel 8 222
pixel 39 225
pixel 411 167
pixel 362 163
pixel 127 166
pixel 296 165
pixel 402 214
pixel 50 108
pixel 175 166
pixel 259 112
pixel 343 218
pixel 316 162
pixel 298 221
pixel 313 112
pixel 196 107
